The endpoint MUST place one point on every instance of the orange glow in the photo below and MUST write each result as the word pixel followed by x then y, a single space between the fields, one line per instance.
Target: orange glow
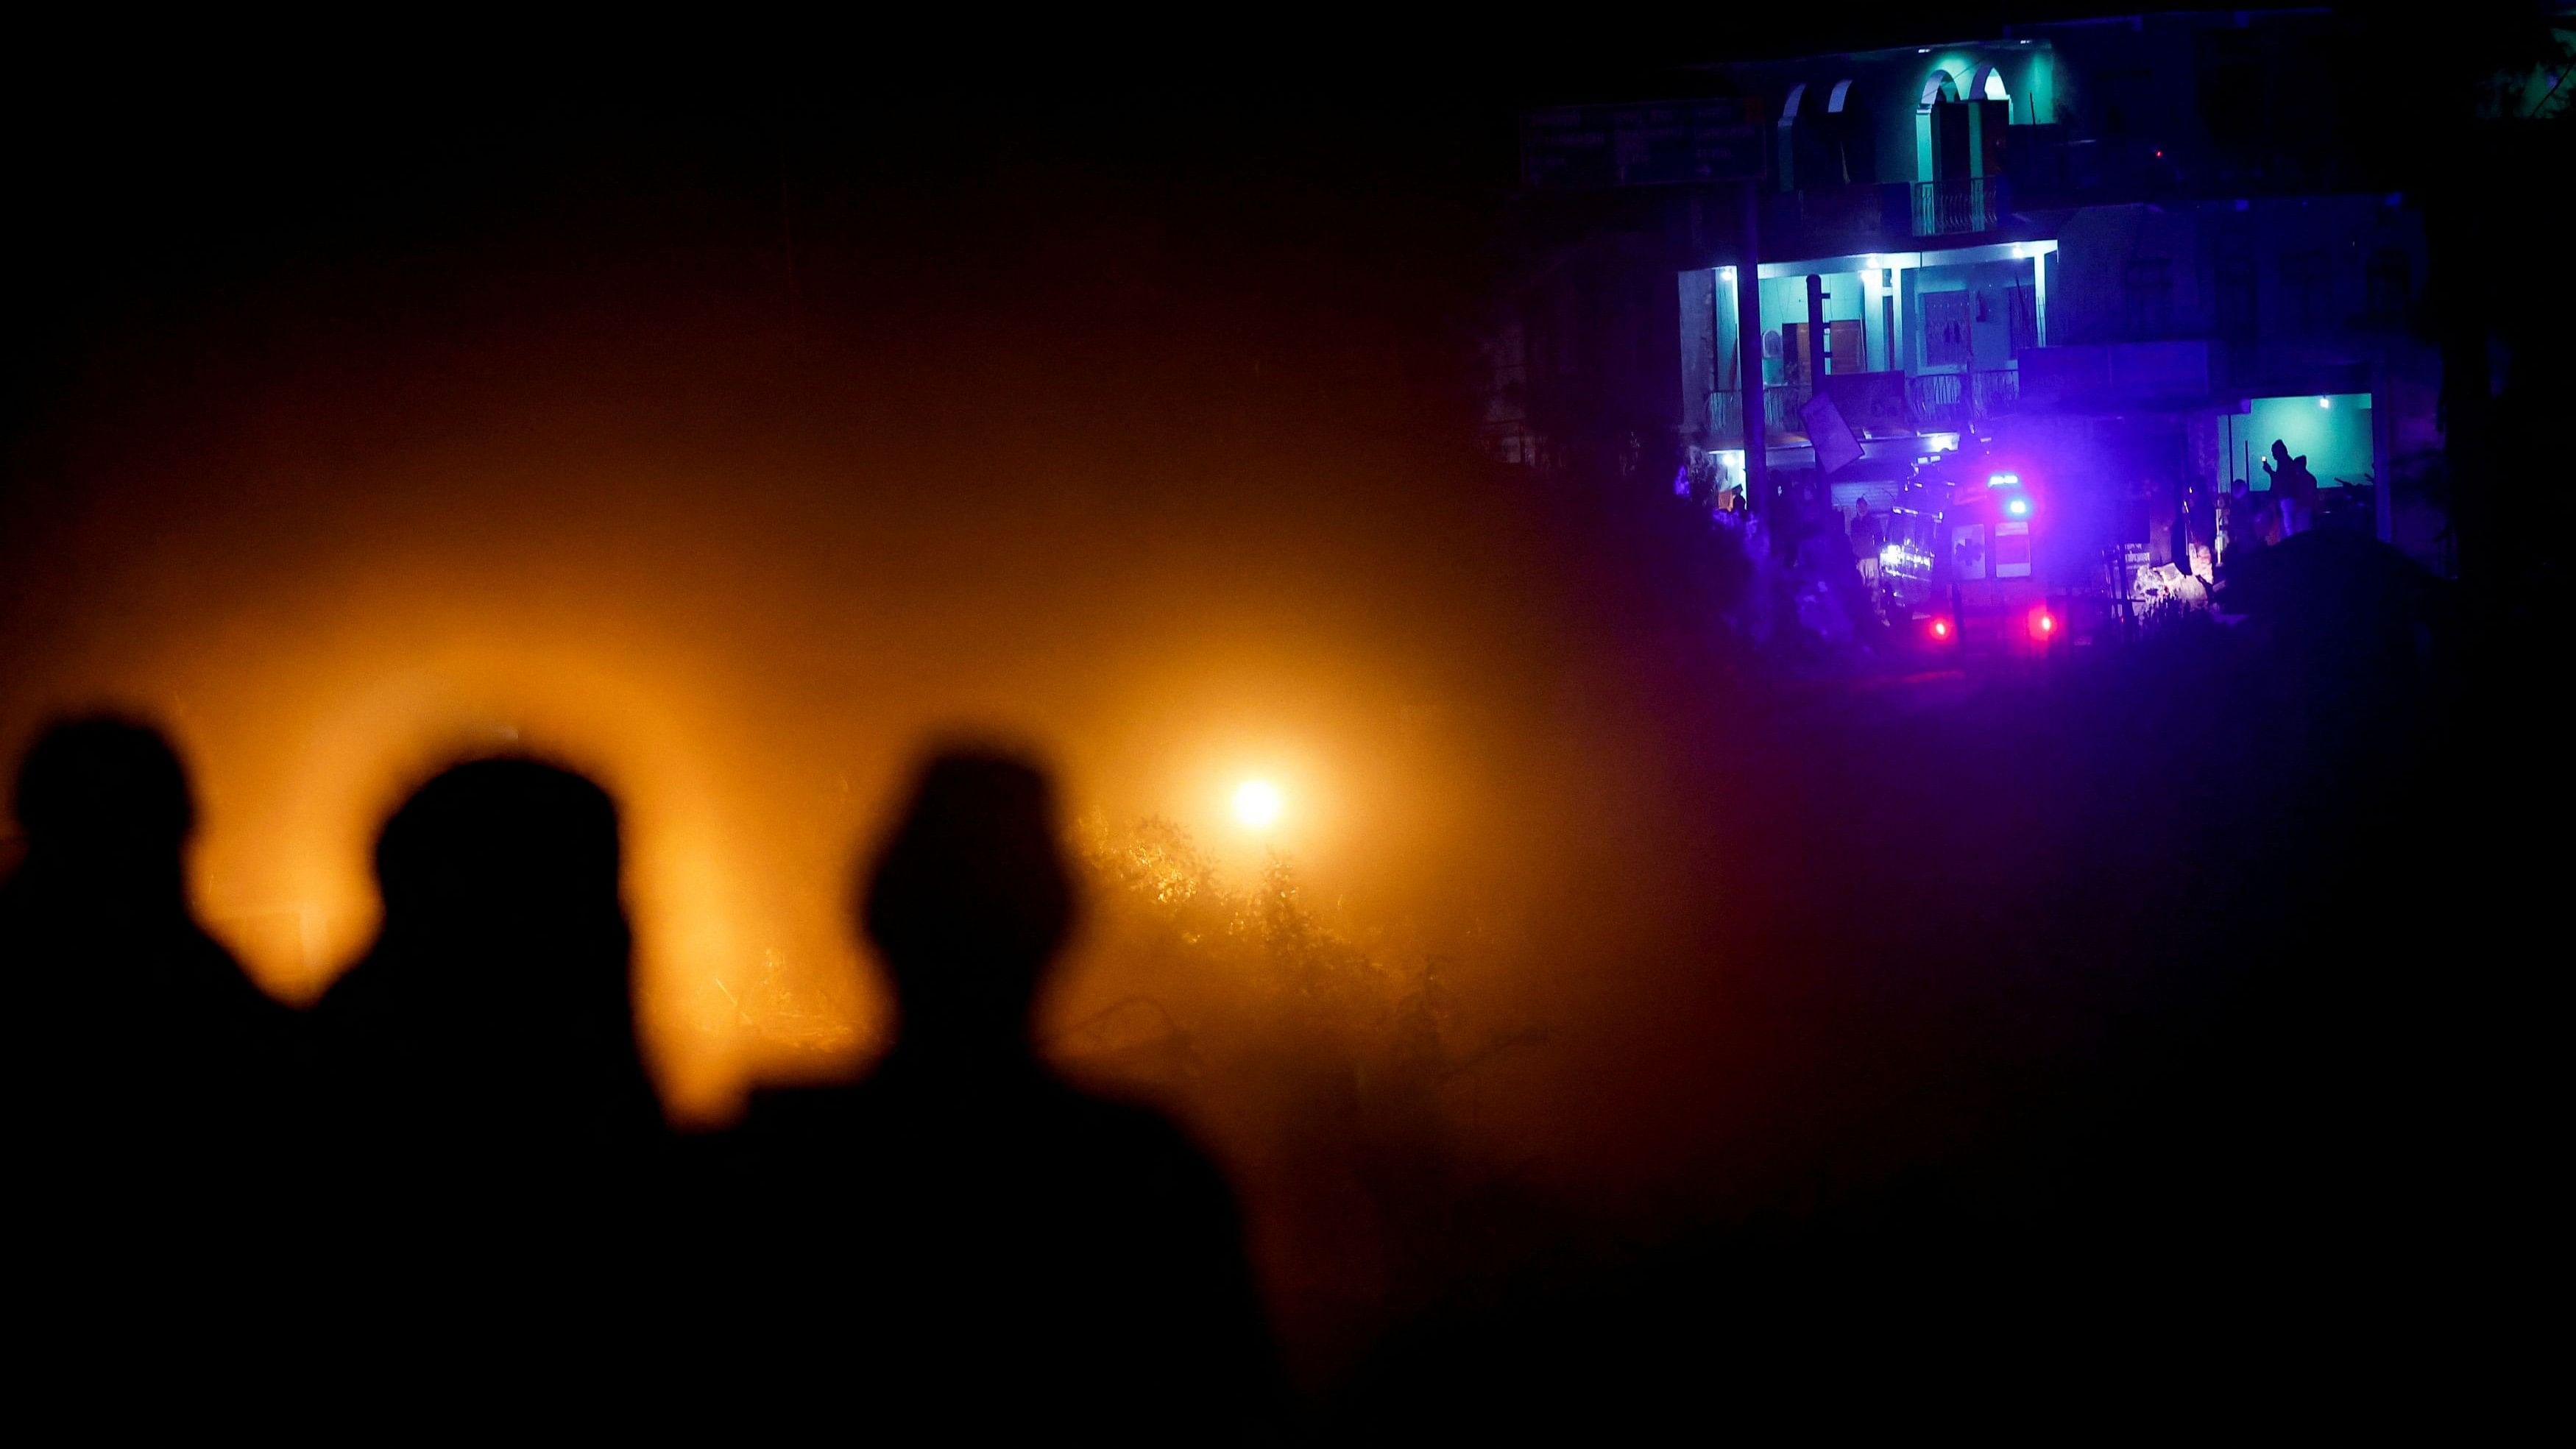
pixel 467 605
pixel 1257 804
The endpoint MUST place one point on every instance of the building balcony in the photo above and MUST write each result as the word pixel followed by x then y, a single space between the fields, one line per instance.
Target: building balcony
pixel 1875 404
pixel 1835 220
pixel 1879 216
pixel 1782 427
pixel 1951 401
pixel 1957 205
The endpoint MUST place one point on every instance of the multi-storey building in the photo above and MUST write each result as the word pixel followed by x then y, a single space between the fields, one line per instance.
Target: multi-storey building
pixel 2143 248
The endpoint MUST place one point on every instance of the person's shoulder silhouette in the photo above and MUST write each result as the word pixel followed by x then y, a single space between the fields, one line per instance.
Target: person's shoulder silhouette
pixel 493 1015
pixel 996 1244
pixel 145 1070
pixel 144 1031
pixel 486 1143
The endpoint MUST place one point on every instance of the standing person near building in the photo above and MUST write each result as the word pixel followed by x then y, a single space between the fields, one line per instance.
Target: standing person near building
pixel 1868 536
pixel 2294 488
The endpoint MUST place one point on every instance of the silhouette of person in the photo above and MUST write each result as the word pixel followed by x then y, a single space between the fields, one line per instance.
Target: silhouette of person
pixel 136 1023
pixel 2294 488
pixel 145 1068
pixel 486 1132
pixel 494 1011
pixel 997 1248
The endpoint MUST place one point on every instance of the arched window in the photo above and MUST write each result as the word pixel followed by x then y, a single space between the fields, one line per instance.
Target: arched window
pixel 1850 151
pixel 1789 135
pixel 1939 89
pixel 1987 84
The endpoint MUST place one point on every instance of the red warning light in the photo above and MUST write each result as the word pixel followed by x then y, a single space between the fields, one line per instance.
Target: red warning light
pixel 2046 624
pixel 1940 628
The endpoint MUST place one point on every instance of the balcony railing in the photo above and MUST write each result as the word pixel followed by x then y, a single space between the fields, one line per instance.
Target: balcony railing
pixel 1947 401
pixel 1781 423
pixel 1875 404
pixel 1958 204
pixel 1726 419
pixel 1780 416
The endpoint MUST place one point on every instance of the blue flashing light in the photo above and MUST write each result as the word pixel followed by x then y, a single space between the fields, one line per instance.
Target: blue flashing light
pixel 2003 480
pixel 2018 508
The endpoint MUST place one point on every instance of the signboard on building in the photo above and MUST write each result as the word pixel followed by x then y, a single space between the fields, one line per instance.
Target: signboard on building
pixel 1640 143
pixel 1874 403
pixel 1836 445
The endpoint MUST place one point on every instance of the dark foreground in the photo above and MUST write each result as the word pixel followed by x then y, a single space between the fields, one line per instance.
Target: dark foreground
pixel 2125 1046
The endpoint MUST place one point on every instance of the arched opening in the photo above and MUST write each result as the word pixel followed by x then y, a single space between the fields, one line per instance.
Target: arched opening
pixel 1788 137
pixel 1959 151
pixel 1850 151
pixel 1939 90
pixel 1987 84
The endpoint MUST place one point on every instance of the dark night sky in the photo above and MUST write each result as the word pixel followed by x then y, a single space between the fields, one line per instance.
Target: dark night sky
pixel 159 173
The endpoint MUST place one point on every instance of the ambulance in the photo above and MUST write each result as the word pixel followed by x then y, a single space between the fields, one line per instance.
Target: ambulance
pixel 1959 567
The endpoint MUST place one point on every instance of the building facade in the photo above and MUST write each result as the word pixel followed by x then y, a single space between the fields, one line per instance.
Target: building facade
pixel 2141 249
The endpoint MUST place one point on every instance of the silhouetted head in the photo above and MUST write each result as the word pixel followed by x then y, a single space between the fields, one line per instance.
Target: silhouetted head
pixel 2280 450
pixel 497 1003
pixel 511 858
pixel 970 898
pixel 107 793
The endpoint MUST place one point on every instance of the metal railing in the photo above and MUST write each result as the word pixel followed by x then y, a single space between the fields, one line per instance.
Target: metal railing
pixel 1994 392
pixel 1726 418
pixel 1780 404
pixel 1780 419
pixel 1957 204
pixel 1950 400
pixel 1939 402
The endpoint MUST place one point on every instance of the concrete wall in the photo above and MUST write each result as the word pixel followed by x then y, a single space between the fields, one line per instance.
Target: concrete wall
pixel 1700 364
pixel 2329 242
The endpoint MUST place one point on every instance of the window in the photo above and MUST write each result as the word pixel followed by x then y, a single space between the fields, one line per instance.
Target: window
pixel 2391 286
pixel 2147 287
pixel 2307 290
pixel 2239 302
pixel 1946 340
